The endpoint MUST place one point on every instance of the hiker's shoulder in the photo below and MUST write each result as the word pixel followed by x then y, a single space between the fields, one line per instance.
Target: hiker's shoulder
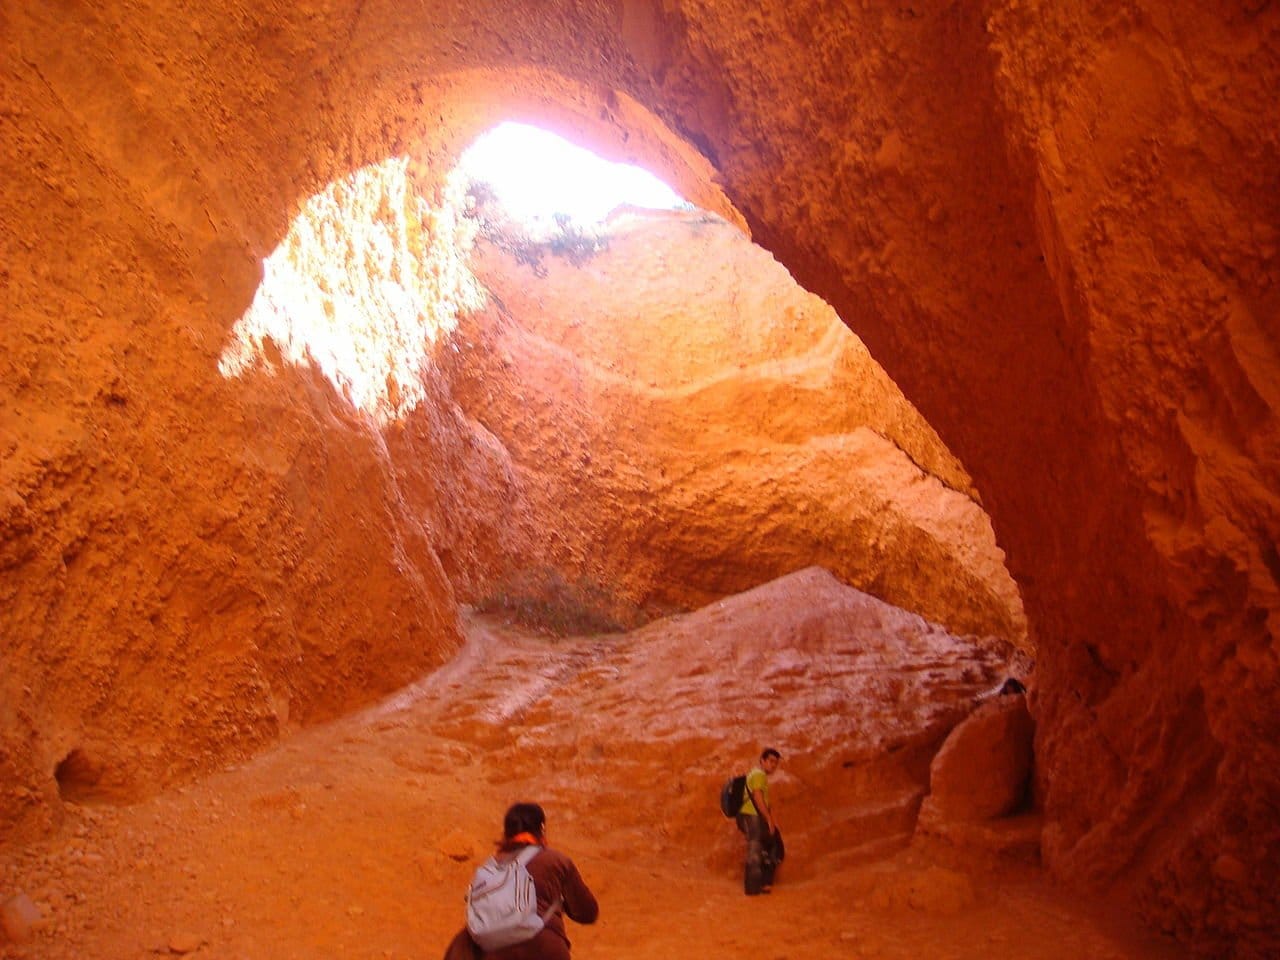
pixel 551 857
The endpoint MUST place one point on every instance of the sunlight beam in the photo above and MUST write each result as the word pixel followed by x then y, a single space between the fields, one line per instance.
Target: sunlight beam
pixel 536 174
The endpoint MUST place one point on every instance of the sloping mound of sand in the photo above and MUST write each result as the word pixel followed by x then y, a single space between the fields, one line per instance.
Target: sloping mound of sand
pixel 357 838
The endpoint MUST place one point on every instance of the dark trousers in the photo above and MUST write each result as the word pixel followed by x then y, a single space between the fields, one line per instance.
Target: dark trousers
pixel 758 870
pixel 462 947
pixel 547 945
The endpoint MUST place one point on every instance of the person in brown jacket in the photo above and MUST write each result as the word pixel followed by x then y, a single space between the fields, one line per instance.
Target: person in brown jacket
pixel 560 888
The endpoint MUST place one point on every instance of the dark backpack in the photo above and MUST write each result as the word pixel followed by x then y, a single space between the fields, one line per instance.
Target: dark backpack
pixel 733 794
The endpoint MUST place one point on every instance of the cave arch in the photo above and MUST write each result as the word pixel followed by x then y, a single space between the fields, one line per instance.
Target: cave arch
pixel 1074 285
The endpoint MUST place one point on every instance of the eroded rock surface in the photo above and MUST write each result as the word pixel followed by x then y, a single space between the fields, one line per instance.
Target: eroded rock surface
pixel 983 768
pixel 697 424
pixel 356 838
pixel 389 428
pixel 1054 224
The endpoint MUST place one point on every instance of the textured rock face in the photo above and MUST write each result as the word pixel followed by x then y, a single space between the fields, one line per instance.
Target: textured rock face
pixel 697 424
pixel 296 497
pixel 188 562
pixel 1156 206
pixel 18 918
pixel 857 694
pixel 1054 224
pixel 982 769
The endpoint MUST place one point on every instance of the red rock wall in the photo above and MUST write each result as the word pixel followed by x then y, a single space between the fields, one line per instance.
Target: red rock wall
pixel 1053 222
pixel 1153 137
pixel 1061 218
pixel 187 563
pixel 685 423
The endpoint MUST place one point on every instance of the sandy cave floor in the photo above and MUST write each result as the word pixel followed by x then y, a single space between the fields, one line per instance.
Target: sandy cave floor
pixel 357 838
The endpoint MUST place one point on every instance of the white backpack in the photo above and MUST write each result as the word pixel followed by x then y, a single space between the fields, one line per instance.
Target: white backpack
pixel 502 905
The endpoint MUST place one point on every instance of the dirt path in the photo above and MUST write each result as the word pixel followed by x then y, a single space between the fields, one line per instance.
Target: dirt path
pixel 356 839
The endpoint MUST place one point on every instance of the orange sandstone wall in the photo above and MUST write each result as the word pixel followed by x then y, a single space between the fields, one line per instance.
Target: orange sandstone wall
pixel 684 422
pixel 1153 135
pixel 188 564
pixel 1053 223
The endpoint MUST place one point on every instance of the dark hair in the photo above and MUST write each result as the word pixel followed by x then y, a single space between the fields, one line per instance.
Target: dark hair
pixel 769 752
pixel 523 818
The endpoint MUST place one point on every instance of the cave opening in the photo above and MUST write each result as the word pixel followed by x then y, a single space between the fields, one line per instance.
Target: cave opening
pixel 540 178
pixel 626 420
pixel 79 778
pixel 625 426
pixel 617 341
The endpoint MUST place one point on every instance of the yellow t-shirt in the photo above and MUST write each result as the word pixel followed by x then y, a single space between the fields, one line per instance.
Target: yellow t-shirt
pixel 757 779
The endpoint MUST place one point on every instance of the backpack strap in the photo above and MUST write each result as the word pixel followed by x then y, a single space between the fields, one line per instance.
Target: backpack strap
pixel 527 854
pixel 746 791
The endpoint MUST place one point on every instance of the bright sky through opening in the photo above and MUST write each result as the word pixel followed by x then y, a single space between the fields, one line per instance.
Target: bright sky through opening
pixel 537 174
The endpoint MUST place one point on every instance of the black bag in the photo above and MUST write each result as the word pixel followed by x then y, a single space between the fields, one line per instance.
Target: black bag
pixel 733 794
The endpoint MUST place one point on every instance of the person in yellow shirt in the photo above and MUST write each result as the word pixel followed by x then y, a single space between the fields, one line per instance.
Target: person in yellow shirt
pixel 757 822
